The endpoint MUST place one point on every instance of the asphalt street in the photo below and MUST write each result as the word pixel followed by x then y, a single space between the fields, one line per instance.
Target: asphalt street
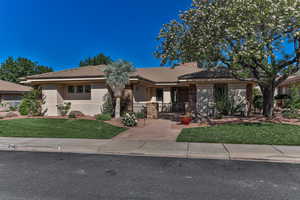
pixel 58 176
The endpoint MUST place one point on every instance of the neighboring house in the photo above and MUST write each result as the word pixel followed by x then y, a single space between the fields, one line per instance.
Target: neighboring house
pixel 285 86
pixel 179 89
pixel 11 94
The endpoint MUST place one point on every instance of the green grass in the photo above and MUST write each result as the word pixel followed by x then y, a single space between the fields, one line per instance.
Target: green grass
pixel 244 133
pixel 58 128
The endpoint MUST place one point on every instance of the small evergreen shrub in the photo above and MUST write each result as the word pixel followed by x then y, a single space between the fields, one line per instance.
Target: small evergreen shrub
pixel 258 102
pixel 24 107
pixel 13 108
pixel 107 107
pixel 129 120
pixel 72 116
pixel 290 114
pixel 32 103
pixel 76 114
pixel 64 108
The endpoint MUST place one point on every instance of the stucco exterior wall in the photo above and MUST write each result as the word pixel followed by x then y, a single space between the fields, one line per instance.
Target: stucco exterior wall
pixel 50 93
pixel 88 104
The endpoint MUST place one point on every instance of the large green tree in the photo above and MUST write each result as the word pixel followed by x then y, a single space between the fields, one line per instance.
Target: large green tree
pixel 100 59
pixel 117 76
pixel 255 39
pixel 13 69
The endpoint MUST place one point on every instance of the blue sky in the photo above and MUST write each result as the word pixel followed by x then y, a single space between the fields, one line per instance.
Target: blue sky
pixel 59 33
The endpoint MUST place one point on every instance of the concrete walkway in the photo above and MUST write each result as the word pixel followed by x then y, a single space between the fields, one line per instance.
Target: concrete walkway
pixel 157 130
pixel 270 153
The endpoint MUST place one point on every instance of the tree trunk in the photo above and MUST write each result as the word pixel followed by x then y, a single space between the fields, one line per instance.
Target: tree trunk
pixel 268 101
pixel 118 108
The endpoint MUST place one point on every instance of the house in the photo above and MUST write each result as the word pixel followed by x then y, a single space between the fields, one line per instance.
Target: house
pixel 178 89
pixel 285 87
pixel 11 93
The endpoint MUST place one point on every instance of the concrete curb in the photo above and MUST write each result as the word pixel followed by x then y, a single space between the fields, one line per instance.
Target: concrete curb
pixel 259 153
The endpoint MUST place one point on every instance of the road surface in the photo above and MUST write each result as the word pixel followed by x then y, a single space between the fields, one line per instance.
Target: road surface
pixel 57 176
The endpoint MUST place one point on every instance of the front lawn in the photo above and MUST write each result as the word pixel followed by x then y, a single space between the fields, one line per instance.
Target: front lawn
pixel 244 133
pixel 58 128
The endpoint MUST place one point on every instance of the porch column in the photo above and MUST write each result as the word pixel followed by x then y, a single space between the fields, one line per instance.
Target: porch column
pixel 167 95
pixel 205 97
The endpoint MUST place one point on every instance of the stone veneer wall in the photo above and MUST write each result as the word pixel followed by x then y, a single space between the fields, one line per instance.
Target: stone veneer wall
pixel 152 110
pixel 205 97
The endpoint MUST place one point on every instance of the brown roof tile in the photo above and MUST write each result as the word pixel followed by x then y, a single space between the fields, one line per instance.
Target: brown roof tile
pixel 157 74
pixel 6 86
pixel 80 72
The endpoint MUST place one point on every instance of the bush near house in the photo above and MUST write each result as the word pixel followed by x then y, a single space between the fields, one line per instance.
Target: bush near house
pixel 75 114
pixel 292 104
pixel 129 120
pixel 32 103
pixel 64 108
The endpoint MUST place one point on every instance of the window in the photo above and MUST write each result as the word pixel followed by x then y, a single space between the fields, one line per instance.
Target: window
pixel 71 89
pixel 87 89
pixel 159 94
pixel 79 89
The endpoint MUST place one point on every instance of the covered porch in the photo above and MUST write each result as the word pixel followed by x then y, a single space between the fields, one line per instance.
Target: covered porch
pixel 200 98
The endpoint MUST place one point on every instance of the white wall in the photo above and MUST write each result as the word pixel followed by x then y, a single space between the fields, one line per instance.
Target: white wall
pixel 88 104
pixel 91 104
pixel 50 94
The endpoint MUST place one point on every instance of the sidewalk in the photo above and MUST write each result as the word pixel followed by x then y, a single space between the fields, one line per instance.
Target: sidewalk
pixel 268 153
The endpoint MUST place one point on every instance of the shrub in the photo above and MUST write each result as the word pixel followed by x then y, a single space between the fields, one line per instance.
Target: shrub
pixel 24 107
pixel 258 102
pixel 293 103
pixel 32 103
pixel 72 116
pixel 64 108
pixel 290 115
pixel 107 107
pixel 129 120
pixel 140 115
pixel 103 117
pixel 228 105
pixel 75 114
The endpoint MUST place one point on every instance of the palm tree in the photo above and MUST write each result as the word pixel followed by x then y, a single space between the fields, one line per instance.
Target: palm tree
pixel 117 76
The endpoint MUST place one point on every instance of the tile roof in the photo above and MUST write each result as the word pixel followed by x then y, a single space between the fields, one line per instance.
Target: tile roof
pixel 6 86
pixel 79 72
pixel 210 74
pixel 157 74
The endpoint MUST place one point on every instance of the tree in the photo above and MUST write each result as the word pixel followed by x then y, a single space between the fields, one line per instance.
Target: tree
pixel 117 76
pixel 100 59
pixel 12 69
pixel 257 40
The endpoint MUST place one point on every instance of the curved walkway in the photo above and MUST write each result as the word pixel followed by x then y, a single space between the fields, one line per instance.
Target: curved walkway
pixel 152 130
